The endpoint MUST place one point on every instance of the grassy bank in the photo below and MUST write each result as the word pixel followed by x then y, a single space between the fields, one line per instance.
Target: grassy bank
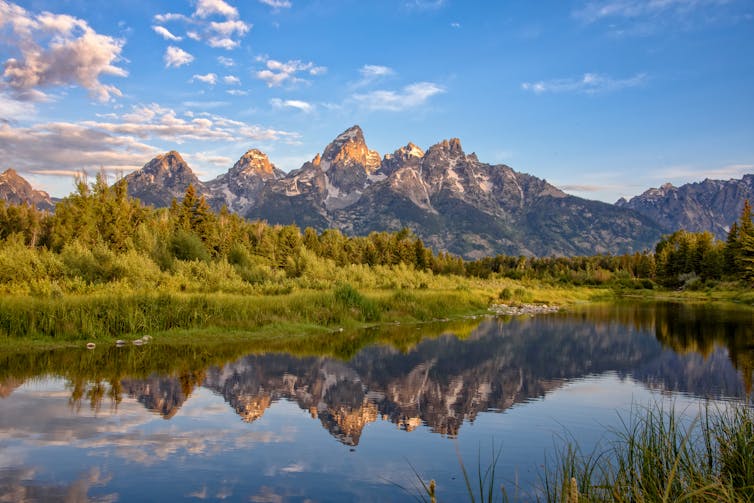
pixel 105 313
pixel 661 457
pixel 106 317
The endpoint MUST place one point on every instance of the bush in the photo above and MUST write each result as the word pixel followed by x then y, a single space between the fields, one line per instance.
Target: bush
pixel 186 245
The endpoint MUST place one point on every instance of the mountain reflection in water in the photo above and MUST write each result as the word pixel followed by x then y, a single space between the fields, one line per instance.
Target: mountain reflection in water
pixel 444 381
pixel 235 422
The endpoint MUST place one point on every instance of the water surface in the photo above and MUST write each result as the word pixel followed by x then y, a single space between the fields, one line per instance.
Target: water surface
pixel 161 424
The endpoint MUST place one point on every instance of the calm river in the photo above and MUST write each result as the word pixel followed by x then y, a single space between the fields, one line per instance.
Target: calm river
pixel 160 424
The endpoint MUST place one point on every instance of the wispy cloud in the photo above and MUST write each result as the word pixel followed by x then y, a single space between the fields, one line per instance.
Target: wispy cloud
pixel 425 4
pixel 684 173
pixel 648 17
pixel 12 109
pixel 227 62
pixel 232 80
pixel 57 50
pixel 277 4
pixel 175 57
pixel 122 142
pixel 278 73
pixel 210 78
pixel 165 33
pixel 371 74
pixel 411 96
pixel 215 160
pixel 589 83
pixel 297 104
pixel 594 11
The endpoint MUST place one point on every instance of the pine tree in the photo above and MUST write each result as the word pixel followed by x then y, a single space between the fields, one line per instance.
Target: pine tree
pixel 745 252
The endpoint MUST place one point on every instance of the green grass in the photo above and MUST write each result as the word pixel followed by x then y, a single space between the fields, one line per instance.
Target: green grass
pixel 660 457
pixel 106 316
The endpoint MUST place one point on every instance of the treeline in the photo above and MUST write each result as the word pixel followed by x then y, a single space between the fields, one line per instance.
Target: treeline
pixel 682 259
pixel 99 234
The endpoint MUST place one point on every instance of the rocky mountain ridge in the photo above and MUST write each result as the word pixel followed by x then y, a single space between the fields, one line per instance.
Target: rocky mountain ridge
pixel 16 190
pixel 710 205
pixel 450 199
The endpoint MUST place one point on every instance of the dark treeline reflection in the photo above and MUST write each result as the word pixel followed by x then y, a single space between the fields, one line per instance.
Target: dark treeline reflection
pixel 438 381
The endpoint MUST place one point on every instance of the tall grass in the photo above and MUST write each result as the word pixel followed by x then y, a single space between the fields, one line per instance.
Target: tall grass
pixel 661 456
pixel 105 316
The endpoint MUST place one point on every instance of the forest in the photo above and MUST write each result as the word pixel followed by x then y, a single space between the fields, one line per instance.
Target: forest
pixel 99 235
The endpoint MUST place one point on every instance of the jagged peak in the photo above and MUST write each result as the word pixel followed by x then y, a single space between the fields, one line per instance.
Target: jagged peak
pixel 452 146
pixel 350 149
pixel 10 173
pixel 354 133
pixel 317 159
pixel 254 161
pixel 411 150
pixel 166 161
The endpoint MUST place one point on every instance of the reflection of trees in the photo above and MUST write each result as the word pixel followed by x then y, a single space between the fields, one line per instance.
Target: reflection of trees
pixel 442 382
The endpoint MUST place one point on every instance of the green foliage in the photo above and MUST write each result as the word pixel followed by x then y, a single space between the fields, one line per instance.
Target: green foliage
pixel 186 245
pixel 364 309
pixel 99 239
pixel 662 456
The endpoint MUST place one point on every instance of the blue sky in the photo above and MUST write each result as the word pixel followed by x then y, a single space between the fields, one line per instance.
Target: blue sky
pixel 602 98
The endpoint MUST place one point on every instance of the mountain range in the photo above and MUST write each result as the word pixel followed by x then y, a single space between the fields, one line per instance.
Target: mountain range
pixel 450 199
pixel 16 190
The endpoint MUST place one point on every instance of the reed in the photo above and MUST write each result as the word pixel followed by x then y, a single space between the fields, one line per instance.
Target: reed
pixel 661 456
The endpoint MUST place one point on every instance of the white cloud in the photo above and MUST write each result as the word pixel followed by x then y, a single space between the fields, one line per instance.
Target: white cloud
pixel 220 34
pixel 277 4
pixel 171 16
pixel 237 92
pixel 210 78
pixel 122 142
pixel 232 80
pixel 207 8
pixel 278 73
pixel 297 104
pixel 175 57
pixel 60 148
pixel 165 33
pixel 225 34
pixel 410 96
pixel 455 25
pixel 57 50
pixel 589 83
pixel 227 62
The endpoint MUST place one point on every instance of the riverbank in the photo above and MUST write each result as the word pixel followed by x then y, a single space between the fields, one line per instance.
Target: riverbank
pixel 105 316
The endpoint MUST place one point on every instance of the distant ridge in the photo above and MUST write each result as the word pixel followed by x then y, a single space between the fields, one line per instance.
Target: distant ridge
pixel 16 190
pixel 711 205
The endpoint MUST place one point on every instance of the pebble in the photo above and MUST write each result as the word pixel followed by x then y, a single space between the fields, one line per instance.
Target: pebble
pixel 523 309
